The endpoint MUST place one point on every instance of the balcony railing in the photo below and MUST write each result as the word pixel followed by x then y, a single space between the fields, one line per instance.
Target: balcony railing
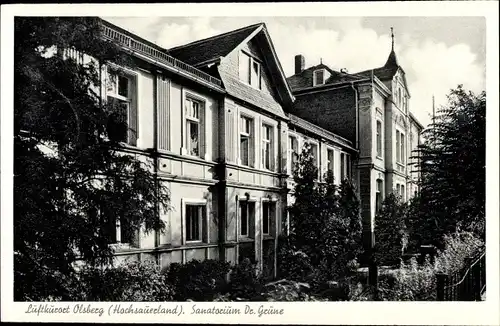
pixel 137 46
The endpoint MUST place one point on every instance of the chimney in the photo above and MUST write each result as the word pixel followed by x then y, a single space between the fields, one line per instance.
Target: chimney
pixel 300 63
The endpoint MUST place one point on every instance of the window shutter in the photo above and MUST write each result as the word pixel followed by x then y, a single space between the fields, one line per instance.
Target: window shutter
pixel 163 119
pixel 230 144
pixel 133 125
pixel 253 135
pixel 202 131
pixel 133 122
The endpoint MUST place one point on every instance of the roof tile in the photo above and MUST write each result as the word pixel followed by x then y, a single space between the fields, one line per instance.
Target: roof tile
pixel 212 47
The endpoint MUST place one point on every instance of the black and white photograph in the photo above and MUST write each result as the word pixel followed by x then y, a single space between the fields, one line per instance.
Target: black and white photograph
pixel 216 165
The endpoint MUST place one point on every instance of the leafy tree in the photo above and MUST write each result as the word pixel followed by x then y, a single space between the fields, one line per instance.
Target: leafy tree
pixel 453 168
pixel 72 180
pixel 325 221
pixel 391 235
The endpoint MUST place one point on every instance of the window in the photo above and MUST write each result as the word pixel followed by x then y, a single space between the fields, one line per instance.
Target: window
pixel 247 210
pixel 267 149
pixel 246 136
pixel 249 70
pixel 195 217
pixel 193 126
pixel 399 97
pixel 398 146
pixel 330 161
pixel 118 231
pixel 402 151
pixel 255 74
pixel 319 77
pixel 398 190
pixel 342 167
pixel 120 94
pixel 403 192
pixel 268 214
pixel 314 153
pixel 345 166
pixel 293 150
pixel 379 138
pixel 378 195
pixel 348 166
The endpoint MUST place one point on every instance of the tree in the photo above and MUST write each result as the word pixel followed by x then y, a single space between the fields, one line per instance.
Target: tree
pixel 325 221
pixel 453 168
pixel 72 180
pixel 391 236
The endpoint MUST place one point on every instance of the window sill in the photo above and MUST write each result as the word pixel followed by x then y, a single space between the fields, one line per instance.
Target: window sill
pixel 245 239
pixel 379 157
pixel 194 244
pixel 122 247
pixel 267 237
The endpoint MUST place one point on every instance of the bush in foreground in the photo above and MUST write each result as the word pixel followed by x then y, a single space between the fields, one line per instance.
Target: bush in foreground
pixel 198 280
pixel 129 282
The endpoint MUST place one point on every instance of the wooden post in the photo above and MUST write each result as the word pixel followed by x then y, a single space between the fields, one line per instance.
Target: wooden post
pixel 440 284
pixel 373 277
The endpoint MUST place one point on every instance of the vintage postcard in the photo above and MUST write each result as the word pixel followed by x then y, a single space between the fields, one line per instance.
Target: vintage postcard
pixel 250 163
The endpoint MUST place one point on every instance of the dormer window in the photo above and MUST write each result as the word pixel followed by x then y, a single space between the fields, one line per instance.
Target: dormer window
pixel 250 70
pixel 319 77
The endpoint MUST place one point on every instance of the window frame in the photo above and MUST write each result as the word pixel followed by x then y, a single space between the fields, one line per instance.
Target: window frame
pixel 330 162
pixel 379 194
pixel 400 147
pixel 203 223
pixel 293 156
pixel 313 144
pixel 250 71
pixel 249 217
pixel 267 142
pixel 250 136
pixel 315 72
pixel 188 120
pixel 271 213
pixel 131 99
pixel 379 139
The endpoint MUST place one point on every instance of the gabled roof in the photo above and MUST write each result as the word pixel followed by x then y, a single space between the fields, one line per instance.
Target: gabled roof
pixel 305 78
pixel 213 47
pixel 216 48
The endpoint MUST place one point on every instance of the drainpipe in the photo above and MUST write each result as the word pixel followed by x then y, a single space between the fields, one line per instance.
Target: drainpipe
pixel 357 115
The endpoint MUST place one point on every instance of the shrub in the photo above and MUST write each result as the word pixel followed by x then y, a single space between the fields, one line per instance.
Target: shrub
pixel 245 282
pixel 457 247
pixel 198 281
pixel 128 282
pixel 293 264
pixel 410 282
pixel 286 290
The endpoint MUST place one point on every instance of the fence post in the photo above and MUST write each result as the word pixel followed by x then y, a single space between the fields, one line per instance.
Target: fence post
pixel 476 277
pixel 471 279
pixel 440 283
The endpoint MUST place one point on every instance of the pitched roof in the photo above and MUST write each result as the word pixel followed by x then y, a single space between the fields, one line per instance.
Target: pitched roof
pixel 387 71
pixel 305 78
pixel 212 47
pixel 382 73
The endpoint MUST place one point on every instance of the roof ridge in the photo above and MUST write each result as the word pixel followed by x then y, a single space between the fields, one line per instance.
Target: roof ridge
pixel 215 36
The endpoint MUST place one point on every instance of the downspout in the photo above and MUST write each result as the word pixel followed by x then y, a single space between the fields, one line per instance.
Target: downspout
pixel 156 75
pixel 357 115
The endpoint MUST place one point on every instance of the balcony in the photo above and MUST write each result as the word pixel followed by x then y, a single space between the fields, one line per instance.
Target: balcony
pixel 129 43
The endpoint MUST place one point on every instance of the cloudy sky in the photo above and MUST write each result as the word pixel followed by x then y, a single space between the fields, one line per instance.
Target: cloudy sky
pixel 437 53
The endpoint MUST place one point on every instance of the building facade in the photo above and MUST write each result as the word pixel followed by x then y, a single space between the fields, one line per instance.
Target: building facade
pixel 214 116
pixel 370 109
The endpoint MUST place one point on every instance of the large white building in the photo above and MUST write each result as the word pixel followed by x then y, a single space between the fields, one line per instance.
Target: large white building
pixel 223 125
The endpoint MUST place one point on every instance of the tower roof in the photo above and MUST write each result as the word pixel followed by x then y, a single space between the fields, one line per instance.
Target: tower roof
pixel 392 61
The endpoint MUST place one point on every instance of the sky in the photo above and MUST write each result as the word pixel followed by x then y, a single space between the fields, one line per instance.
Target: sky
pixel 436 53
